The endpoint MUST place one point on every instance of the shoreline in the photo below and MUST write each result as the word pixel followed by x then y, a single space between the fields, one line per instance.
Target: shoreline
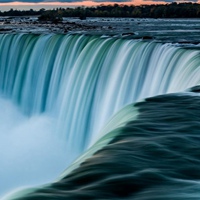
pixel 181 31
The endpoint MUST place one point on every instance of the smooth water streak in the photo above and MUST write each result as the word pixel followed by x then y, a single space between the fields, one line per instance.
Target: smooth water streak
pixel 80 81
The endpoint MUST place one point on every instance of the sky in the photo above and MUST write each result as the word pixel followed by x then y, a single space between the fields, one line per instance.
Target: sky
pixel 50 4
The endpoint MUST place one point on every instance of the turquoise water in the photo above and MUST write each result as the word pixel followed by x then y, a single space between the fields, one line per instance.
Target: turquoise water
pixel 154 155
pixel 60 91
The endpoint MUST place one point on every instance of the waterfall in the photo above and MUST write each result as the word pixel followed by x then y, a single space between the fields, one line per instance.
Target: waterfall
pixel 72 84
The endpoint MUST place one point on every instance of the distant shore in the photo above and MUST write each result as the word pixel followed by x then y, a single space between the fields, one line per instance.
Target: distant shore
pixel 182 31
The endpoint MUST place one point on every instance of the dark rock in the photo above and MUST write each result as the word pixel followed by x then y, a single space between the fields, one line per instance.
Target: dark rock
pixel 147 37
pixel 82 17
pixel 5 29
pixel 129 33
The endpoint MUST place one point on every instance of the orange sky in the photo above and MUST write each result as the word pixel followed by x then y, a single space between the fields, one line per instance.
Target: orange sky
pixel 51 5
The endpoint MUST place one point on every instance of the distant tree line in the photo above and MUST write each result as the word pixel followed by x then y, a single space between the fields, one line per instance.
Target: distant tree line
pixel 172 10
pixel 30 12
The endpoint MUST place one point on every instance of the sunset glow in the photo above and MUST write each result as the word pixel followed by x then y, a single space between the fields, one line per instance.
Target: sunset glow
pixel 50 5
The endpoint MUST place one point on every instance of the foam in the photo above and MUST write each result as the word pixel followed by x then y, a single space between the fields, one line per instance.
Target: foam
pixel 30 151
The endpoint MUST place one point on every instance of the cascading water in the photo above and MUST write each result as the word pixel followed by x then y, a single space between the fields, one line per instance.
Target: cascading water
pixel 60 90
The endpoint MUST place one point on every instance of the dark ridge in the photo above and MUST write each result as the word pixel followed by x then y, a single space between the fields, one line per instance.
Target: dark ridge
pixel 155 157
pixel 195 89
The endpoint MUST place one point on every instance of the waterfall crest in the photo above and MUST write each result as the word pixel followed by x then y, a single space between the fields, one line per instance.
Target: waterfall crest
pixel 82 80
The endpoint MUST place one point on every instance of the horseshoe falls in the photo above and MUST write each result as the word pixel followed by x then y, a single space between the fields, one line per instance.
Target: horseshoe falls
pixel 70 127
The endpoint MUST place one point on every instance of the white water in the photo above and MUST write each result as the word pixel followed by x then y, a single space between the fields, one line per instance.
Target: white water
pixel 63 89
pixel 30 152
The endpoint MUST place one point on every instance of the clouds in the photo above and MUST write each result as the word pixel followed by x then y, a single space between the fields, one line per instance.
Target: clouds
pixel 36 1
pixel 61 1
pixel 39 1
pixel 194 1
pixel 118 1
pixel 95 1
pixel 171 1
